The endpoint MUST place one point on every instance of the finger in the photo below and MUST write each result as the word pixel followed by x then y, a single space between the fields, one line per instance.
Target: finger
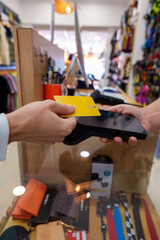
pixel 118 140
pixel 72 121
pixel 106 140
pixel 63 109
pixel 113 108
pixel 117 108
pixel 70 124
pixel 132 141
pixel 124 109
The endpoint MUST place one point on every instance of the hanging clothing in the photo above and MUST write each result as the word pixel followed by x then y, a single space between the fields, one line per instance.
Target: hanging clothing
pixel 8 92
pixel 10 40
pixel 4 47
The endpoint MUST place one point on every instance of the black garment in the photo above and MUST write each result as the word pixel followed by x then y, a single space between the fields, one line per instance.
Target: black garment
pixel 5 93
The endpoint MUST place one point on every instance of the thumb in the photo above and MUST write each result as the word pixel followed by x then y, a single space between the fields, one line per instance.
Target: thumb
pixel 70 123
pixel 63 109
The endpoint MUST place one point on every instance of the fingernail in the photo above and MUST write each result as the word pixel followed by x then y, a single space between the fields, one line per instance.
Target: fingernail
pixel 72 107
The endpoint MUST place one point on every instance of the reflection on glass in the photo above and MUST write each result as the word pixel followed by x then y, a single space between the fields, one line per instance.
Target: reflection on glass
pixel 84 154
pixel 19 190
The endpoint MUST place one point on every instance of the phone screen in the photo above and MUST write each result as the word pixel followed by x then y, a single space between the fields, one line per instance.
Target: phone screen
pixel 115 121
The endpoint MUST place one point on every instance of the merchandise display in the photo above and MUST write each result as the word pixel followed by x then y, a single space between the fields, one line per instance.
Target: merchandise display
pixel 29 203
pixel 128 220
pixel 76 208
pixel 47 231
pixel 8 78
pixel 136 202
pixel 45 208
pixel 111 224
pixel 150 223
pixel 118 223
pixel 108 209
pixel 146 71
pixel 101 213
pixel 101 176
pixel 122 46
pixel 77 235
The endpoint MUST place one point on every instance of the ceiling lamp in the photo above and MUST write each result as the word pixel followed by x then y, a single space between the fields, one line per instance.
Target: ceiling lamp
pixel 63 7
pixel 68 9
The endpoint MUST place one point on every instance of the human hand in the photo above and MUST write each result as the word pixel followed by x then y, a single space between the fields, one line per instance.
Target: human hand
pixel 127 109
pixel 39 122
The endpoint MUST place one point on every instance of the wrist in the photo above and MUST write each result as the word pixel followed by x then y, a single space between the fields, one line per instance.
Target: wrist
pixel 15 127
pixel 149 118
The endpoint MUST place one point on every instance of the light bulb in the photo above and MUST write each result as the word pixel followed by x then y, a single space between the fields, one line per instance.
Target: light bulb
pixel 78 188
pixel 68 9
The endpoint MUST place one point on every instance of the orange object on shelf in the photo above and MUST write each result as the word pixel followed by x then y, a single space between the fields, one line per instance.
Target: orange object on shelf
pixel 29 203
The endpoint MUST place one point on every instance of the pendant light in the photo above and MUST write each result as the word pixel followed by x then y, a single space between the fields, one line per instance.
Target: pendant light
pixel 64 7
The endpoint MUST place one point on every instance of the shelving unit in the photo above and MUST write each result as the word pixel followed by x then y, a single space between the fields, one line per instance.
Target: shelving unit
pixel 136 53
pixel 122 48
pixel 146 77
pixel 139 40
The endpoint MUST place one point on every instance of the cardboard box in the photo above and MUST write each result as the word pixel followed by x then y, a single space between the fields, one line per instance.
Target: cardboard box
pixel 101 176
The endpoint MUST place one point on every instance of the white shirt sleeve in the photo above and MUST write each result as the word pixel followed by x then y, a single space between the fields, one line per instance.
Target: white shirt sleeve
pixel 4 135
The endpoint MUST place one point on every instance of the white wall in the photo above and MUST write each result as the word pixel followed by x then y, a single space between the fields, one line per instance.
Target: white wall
pixel 90 13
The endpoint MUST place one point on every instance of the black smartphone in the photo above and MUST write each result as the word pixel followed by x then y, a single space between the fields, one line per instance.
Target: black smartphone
pixel 114 121
pixel 108 125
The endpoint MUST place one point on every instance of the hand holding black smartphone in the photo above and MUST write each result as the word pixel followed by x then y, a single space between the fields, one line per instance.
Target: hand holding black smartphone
pixel 108 125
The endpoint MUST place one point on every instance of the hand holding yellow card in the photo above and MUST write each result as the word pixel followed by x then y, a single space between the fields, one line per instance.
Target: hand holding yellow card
pixel 85 106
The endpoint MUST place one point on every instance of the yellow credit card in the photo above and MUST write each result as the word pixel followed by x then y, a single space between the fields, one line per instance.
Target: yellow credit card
pixel 85 106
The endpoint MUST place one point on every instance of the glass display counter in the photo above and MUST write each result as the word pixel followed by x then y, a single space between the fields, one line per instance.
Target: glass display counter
pixel 92 185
